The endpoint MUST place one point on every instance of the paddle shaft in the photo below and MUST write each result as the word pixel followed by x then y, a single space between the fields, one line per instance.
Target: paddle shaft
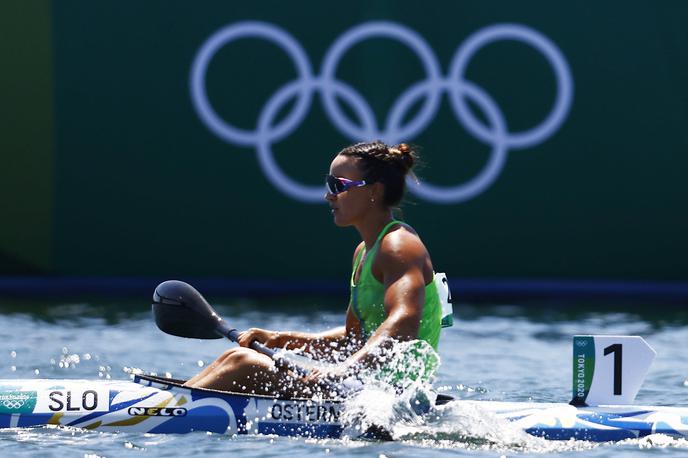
pixel 232 334
pixel 179 309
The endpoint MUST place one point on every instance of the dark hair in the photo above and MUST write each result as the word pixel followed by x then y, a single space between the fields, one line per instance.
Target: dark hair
pixel 385 164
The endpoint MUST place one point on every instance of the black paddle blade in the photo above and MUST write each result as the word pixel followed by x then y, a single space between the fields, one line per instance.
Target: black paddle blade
pixel 180 310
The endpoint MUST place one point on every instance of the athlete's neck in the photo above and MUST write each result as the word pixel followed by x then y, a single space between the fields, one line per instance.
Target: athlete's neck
pixel 371 227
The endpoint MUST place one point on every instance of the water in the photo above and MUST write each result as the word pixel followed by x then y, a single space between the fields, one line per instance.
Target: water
pixel 492 353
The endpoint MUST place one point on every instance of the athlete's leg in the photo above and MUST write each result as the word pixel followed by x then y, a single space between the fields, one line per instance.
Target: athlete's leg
pixel 244 370
pixel 209 368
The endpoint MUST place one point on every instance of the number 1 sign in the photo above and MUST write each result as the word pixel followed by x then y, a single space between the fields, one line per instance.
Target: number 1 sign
pixel 609 369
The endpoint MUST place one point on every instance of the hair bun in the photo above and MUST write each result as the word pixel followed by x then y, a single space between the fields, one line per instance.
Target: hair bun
pixel 406 155
pixel 389 165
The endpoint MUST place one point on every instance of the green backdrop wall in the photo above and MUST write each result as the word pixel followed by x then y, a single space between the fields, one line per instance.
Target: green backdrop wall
pixel 111 168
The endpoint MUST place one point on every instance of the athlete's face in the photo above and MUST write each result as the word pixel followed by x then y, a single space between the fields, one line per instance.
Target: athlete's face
pixel 350 206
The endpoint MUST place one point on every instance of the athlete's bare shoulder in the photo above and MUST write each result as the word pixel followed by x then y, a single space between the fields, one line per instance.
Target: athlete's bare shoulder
pixel 402 240
pixel 402 248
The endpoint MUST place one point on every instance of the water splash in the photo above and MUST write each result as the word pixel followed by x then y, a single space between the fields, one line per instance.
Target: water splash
pixel 657 441
pixel 398 399
pixel 397 392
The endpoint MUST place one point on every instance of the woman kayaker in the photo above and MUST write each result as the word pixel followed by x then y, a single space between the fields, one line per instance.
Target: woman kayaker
pixel 393 295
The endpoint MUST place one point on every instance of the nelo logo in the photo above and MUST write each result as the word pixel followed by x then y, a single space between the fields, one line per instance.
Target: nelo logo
pixel 157 411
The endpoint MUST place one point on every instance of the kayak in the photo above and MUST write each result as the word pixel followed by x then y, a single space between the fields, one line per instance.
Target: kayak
pixel 158 405
pixel 607 374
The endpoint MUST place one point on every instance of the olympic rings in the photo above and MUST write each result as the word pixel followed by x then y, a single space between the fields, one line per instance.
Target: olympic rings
pixel 12 404
pixel 495 134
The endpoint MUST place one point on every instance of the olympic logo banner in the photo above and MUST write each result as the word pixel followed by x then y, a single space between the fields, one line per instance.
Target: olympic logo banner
pixel 12 402
pixel 396 128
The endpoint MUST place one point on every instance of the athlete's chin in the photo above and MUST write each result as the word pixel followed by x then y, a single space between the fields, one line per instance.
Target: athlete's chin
pixel 341 220
pixel 340 223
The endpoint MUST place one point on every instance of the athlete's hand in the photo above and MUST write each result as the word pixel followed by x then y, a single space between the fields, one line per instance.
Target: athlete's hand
pixel 268 338
pixel 335 373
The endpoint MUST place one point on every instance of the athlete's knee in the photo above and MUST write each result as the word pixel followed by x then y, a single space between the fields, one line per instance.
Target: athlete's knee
pixel 238 357
pixel 227 354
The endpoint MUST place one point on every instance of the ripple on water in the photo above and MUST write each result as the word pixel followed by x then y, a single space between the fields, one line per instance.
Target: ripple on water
pixel 487 355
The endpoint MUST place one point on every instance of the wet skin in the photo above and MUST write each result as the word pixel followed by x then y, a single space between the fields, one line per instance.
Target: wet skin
pixel 402 265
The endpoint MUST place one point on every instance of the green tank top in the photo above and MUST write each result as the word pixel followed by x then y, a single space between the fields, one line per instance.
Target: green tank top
pixel 367 298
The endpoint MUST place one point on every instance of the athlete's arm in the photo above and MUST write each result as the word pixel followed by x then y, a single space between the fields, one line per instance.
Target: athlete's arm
pixel 344 339
pixel 403 263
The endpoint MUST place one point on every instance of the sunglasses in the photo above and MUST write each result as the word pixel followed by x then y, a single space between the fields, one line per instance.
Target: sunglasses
pixel 336 185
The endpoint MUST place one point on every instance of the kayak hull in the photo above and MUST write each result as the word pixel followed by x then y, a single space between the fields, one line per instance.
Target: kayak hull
pixel 159 406
pixel 559 421
pixel 162 406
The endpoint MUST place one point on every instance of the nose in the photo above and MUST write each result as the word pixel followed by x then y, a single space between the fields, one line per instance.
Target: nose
pixel 329 196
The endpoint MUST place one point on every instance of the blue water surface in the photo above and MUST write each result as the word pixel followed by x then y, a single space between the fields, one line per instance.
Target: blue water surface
pixel 492 353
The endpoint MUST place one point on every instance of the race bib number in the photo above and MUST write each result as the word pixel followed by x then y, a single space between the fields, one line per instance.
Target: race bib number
pixel 442 286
